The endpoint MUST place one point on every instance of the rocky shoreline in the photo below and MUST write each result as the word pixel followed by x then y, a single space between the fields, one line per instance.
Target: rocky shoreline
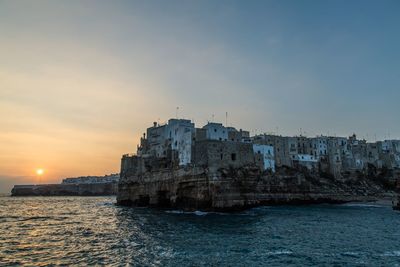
pixel 237 189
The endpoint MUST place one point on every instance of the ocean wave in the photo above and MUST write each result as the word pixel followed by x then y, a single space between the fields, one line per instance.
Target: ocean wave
pixel 351 253
pixel 395 253
pixel 279 252
pixel 33 218
pixel 197 212
pixel 363 205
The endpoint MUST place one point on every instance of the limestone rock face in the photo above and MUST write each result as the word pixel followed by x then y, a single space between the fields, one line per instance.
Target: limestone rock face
pixel 231 189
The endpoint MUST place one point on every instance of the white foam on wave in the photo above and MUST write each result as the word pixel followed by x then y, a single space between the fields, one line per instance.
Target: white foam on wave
pixel 395 253
pixel 363 205
pixel 197 212
pixel 175 211
pixel 200 213
pixel 279 252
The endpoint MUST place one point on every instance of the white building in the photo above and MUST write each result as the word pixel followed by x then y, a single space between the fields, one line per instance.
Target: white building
pixel 266 154
pixel 308 161
pixel 175 135
pixel 216 131
pixel 180 134
pixel 319 146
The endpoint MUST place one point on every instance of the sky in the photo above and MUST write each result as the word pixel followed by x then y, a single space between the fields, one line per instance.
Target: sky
pixel 80 81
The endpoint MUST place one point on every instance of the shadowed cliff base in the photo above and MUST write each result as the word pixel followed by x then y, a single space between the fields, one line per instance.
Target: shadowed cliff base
pixel 235 189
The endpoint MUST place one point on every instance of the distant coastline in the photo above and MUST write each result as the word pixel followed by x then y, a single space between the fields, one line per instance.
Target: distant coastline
pixel 78 186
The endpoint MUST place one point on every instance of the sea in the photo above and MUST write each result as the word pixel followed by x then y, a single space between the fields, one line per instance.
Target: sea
pixel 81 231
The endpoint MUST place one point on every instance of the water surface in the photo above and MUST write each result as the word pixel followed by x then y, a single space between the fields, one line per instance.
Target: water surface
pixel 92 230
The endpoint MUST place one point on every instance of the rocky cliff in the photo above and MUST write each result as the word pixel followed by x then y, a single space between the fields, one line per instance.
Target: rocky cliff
pixel 230 189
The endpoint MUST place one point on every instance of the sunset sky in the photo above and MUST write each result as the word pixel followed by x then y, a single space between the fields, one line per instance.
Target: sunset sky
pixel 81 80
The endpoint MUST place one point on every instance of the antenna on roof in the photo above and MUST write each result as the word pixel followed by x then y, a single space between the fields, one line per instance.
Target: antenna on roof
pixel 212 118
pixel 226 119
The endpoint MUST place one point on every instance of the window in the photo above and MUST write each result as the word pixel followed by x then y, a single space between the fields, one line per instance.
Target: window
pixel 222 156
pixel 215 130
pixel 233 156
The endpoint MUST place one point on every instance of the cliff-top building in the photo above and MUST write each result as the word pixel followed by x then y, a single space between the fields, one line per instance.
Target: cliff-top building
pixel 179 143
pixel 219 167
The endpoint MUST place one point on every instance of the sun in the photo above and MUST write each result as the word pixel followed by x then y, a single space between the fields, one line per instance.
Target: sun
pixel 39 172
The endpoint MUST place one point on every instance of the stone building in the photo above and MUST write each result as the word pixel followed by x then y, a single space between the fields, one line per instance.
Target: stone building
pixel 175 136
pixel 222 154
pixel 264 156
pixel 319 146
pixel 305 160
pixel 179 143
pixel 216 131
pixel 238 136
pixel 303 145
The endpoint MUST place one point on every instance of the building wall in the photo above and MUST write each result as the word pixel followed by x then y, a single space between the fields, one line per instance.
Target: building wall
pixel 319 147
pixel 156 140
pixel 221 154
pixel 176 135
pixel 308 161
pixel 237 136
pixel 265 155
pixel 180 134
pixel 216 131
